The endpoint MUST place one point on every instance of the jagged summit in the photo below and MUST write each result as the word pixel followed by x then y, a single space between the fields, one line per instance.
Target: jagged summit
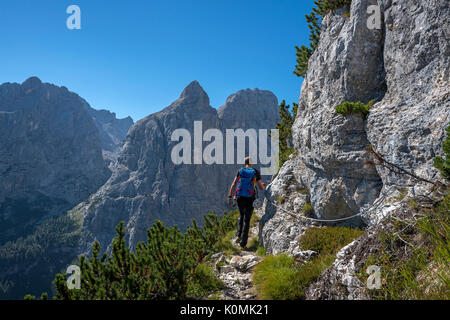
pixel 32 82
pixel 195 93
pixel 192 89
pixel 33 93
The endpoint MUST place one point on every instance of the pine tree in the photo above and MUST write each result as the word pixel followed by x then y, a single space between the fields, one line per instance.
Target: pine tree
pixel 285 130
pixel 314 20
pixel 161 268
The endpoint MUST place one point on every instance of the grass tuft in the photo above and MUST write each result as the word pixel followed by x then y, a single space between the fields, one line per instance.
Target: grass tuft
pixel 308 210
pixel 414 257
pixel 282 278
pixel 203 282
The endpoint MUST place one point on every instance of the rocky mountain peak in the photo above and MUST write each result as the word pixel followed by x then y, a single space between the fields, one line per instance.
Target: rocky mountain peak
pixel 249 104
pixel 194 95
pixel 31 83
pixel 146 184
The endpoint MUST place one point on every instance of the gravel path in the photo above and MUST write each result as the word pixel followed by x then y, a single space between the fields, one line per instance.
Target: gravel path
pixel 236 274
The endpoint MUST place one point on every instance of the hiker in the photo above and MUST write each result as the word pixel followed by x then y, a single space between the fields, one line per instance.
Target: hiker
pixel 244 185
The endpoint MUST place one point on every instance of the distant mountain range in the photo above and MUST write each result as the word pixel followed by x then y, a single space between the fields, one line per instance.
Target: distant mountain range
pixel 51 144
pixel 146 185
pixel 58 155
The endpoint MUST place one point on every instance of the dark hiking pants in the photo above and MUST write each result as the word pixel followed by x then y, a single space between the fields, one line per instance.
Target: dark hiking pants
pixel 245 205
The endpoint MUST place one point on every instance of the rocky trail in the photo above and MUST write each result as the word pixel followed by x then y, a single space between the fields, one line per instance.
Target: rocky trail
pixel 235 270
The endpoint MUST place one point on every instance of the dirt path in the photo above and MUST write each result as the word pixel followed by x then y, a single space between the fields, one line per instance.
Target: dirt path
pixel 236 273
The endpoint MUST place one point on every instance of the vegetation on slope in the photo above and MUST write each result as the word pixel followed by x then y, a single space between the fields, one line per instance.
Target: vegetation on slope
pixel 414 250
pixel 283 278
pixel 170 265
pixel 28 264
pixel 413 253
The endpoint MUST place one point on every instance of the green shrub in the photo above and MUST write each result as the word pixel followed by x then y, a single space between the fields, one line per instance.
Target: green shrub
pixel 347 108
pixel 203 282
pixel 280 199
pixel 37 257
pixel 261 251
pixel 308 209
pixel 167 266
pixel 225 245
pixel 444 164
pixel 285 130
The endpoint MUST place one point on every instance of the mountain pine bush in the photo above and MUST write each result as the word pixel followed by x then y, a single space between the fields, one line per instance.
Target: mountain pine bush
pixel 167 266
pixel 347 108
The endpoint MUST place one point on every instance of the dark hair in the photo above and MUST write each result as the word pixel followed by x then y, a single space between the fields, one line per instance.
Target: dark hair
pixel 247 160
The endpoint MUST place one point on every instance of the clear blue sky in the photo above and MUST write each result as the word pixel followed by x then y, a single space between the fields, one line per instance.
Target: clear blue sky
pixel 135 57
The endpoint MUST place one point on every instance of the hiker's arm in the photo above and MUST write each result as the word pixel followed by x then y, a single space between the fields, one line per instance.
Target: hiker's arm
pixel 232 188
pixel 258 180
pixel 260 185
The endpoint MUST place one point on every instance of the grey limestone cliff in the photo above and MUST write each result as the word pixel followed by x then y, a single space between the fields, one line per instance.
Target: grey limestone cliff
pixel 404 67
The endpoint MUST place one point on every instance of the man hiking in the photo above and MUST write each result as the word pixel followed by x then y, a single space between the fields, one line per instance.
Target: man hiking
pixel 245 183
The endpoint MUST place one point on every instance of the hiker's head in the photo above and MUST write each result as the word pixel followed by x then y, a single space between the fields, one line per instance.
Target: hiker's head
pixel 248 161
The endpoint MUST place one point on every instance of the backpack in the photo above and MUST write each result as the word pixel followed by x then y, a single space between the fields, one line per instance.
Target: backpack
pixel 247 183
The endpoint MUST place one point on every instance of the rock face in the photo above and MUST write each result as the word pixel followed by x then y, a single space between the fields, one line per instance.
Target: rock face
pixel 112 130
pixel 280 231
pixel 404 67
pixel 341 280
pixel 50 154
pixel 347 66
pixel 249 109
pixel 146 185
pixel 407 125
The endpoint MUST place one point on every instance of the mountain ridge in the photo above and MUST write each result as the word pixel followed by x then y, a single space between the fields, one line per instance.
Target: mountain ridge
pixel 145 179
